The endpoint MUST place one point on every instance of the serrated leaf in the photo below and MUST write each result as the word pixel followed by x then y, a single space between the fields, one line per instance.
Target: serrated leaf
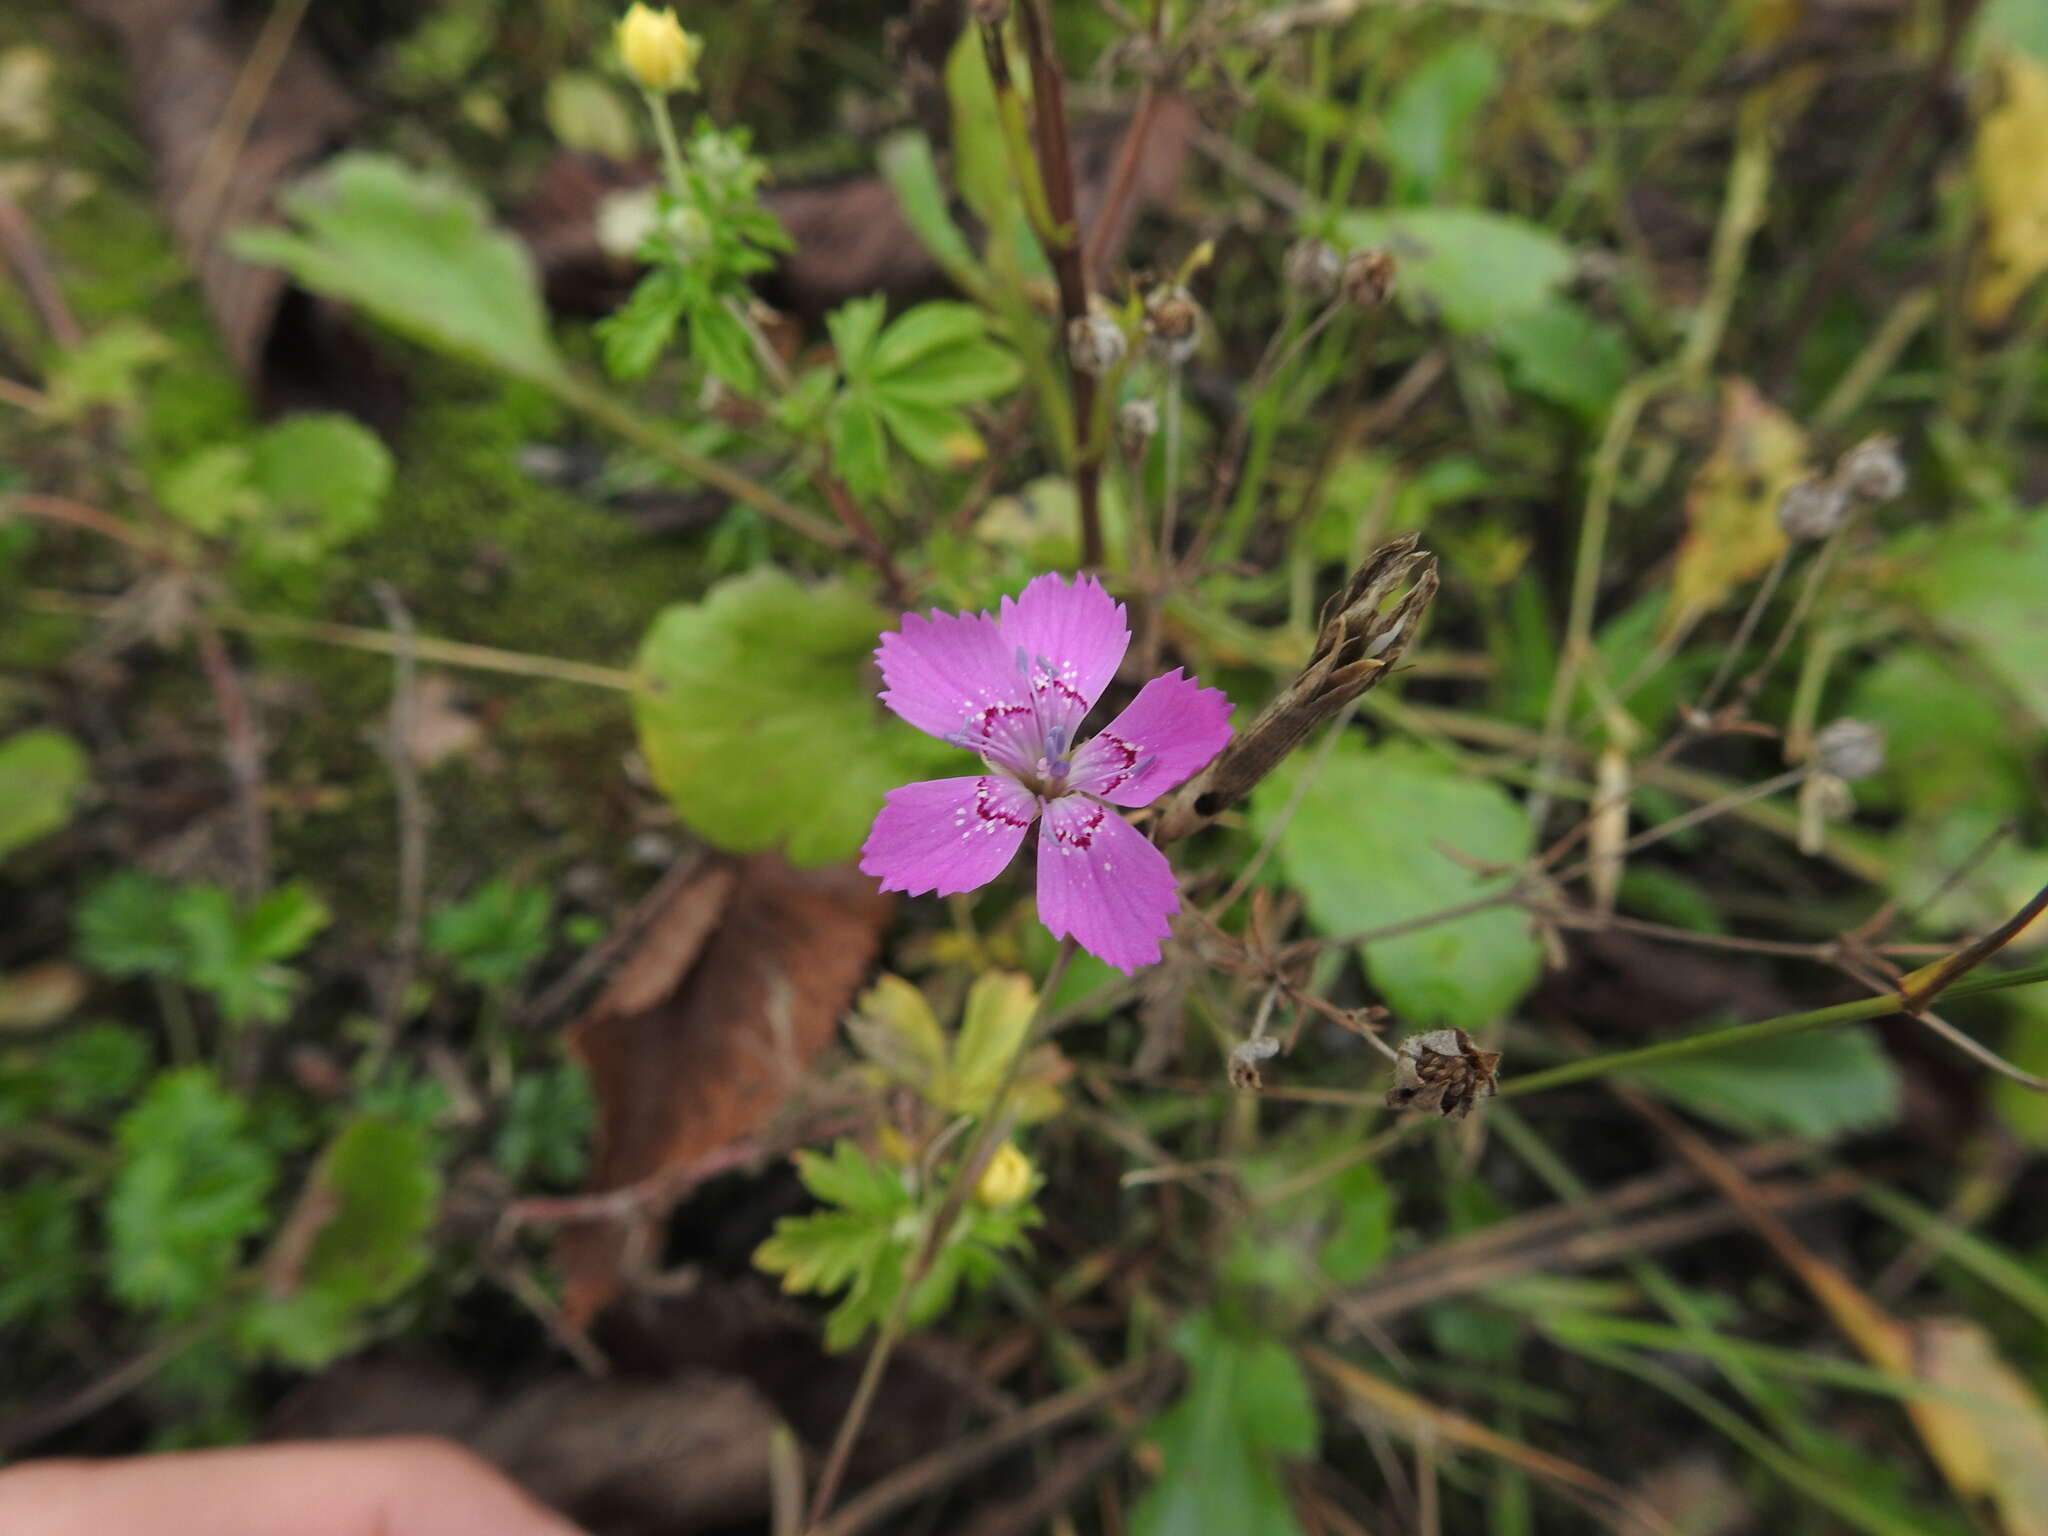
pixel 1246 1406
pixel 721 344
pixel 548 1126
pixel 126 926
pixel 1731 507
pixel 1475 268
pixel 895 1029
pixel 1818 1085
pixel 282 923
pixel 1365 847
pixel 190 1188
pixel 759 721
pixel 91 1068
pixel 418 253
pixel 633 336
pixel 492 935
pixel 41 772
pixel 104 369
pixel 210 491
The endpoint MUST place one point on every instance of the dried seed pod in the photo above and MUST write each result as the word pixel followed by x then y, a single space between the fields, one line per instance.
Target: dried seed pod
pixel 1443 1073
pixel 1243 1069
pixel 1365 628
pixel 1311 268
pixel 1812 509
pixel 1095 343
pixel 1849 749
pixel 1173 324
pixel 1369 277
pixel 1137 423
pixel 1873 470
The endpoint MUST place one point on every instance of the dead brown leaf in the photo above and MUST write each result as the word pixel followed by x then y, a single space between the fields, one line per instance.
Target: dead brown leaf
pixel 707 1027
pixel 186 59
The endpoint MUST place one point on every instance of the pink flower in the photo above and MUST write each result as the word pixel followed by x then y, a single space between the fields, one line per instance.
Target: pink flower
pixel 1012 688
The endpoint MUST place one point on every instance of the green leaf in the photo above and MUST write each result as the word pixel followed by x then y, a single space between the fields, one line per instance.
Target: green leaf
pixel 721 344
pixel 493 935
pixel 1947 743
pixel 1561 353
pixel 587 113
pixel 41 772
pixel 1477 269
pixel 381 1177
pixel 633 336
pixel 282 923
pixel 42 1261
pixel 1984 579
pixel 1425 126
pixel 1246 1406
pixel 547 1126
pixel 191 1186
pixel 1000 1007
pixel 922 331
pixel 1366 847
pixel 906 163
pixel 860 452
pixel 2024 1111
pixel 1817 1085
pixel 418 253
pixel 325 477
pixel 895 1029
pixel 235 956
pixel 854 326
pixel 126 926
pixel 1365 1225
pixel 88 1069
pixel 104 369
pixel 759 721
pixel 931 434
pixel 210 491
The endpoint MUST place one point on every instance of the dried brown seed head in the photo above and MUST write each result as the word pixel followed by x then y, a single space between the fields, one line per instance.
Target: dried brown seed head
pixel 1849 749
pixel 1443 1073
pixel 1095 343
pixel 1137 423
pixel 1812 509
pixel 1873 470
pixel 1311 268
pixel 1243 1069
pixel 1173 324
pixel 1369 278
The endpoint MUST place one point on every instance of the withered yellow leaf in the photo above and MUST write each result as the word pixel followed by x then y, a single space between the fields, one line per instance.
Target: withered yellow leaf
pixel 1731 508
pixel 2000 1452
pixel 2010 159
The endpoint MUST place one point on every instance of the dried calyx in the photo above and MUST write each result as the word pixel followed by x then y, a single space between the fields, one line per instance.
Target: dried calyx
pixel 1369 278
pixel 1365 629
pixel 1095 343
pixel 1443 1073
pixel 1243 1070
pixel 1849 749
pixel 1137 423
pixel 1173 324
pixel 1311 268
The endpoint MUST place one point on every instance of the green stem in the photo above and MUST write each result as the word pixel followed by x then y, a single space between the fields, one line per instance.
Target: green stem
pixel 1751 1034
pixel 665 136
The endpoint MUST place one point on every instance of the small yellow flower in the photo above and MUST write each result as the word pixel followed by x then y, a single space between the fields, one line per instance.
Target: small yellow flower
pixel 658 53
pixel 1007 1179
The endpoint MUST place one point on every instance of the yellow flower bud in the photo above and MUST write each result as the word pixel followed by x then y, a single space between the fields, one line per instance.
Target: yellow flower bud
pixel 1007 1178
pixel 658 53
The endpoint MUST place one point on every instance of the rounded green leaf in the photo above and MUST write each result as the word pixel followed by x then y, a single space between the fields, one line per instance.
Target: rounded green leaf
pixel 40 775
pixel 1367 847
pixel 759 719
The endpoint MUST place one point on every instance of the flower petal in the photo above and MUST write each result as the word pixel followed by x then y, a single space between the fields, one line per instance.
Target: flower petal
pixel 944 836
pixel 954 675
pixel 1100 881
pixel 1071 637
pixel 1168 733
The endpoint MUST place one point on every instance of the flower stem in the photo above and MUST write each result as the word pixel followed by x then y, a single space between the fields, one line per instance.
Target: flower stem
pixel 665 136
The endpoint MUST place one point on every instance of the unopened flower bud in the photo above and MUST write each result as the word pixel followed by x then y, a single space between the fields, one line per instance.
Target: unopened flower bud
pixel 1007 1178
pixel 1812 509
pixel 1849 749
pixel 1095 343
pixel 1311 268
pixel 1173 324
pixel 1137 423
pixel 1873 470
pixel 659 55
pixel 1369 278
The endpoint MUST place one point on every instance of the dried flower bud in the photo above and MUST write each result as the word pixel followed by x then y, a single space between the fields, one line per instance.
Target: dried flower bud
pixel 1812 509
pixel 1311 268
pixel 1173 324
pixel 1095 343
pixel 1873 470
pixel 1137 423
pixel 1243 1070
pixel 1369 278
pixel 1849 749
pixel 659 55
pixel 1443 1073
pixel 1007 1179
